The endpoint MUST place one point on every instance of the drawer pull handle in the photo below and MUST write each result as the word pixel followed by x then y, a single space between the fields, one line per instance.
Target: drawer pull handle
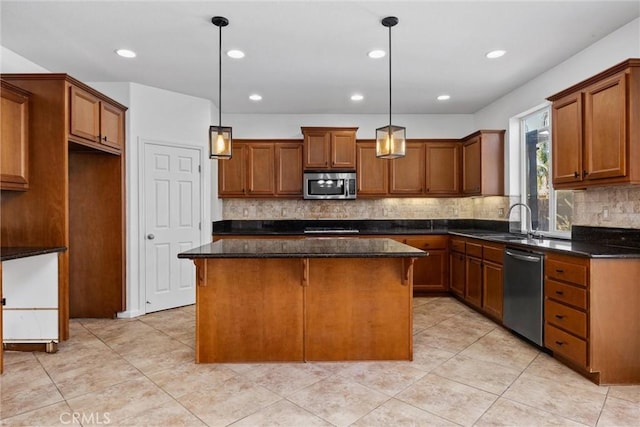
pixel 558 316
pixel 559 270
pixel 559 342
pixel 559 293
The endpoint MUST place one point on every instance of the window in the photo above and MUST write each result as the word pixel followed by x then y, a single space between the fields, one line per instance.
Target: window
pixel 552 210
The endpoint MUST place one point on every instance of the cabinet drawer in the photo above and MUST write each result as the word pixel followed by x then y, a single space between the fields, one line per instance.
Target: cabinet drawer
pixel 457 245
pixel 567 272
pixel 565 317
pixel 427 242
pixel 474 249
pixel 493 253
pixel 566 293
pixel 565 344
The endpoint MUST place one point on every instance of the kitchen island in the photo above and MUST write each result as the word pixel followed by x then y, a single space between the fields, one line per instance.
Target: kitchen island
pixel 319 299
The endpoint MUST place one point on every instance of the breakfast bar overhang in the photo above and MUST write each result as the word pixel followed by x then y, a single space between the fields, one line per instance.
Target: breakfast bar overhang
pixel 318 299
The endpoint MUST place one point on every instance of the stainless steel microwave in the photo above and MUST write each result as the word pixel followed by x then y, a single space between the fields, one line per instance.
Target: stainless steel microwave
pixel 326 185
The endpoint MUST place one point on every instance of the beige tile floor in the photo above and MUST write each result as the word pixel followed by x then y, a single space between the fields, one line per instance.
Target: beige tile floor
pixel 467 371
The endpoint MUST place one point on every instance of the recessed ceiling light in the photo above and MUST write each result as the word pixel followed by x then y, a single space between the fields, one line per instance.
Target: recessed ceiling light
pixel 126 53
pixel 376 54
pixel 443 97
pixel 357 97
pixel 235 54
pixel 255 97
pixel 495 54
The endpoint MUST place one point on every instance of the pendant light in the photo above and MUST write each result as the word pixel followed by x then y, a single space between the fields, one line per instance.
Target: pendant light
pixel 220 136
pixel 390 139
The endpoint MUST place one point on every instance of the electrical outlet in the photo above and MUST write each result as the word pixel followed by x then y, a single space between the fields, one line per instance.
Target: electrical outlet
pixel 245 212
pixel 501 212
pixel 385 212
pixel 283 212
pixel 605 214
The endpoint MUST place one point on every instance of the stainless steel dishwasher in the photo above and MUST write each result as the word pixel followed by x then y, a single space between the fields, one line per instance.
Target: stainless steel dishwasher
pixel 523 293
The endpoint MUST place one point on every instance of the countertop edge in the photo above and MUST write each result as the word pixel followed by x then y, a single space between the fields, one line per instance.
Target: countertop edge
pixel 8 253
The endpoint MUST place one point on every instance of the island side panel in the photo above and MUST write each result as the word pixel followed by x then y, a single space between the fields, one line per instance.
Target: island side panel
pixel 358 309
pixel 249 310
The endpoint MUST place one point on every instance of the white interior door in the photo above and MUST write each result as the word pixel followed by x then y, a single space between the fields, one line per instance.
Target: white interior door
pixel 172 224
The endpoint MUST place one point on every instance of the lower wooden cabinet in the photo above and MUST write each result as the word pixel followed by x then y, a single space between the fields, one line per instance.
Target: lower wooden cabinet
pixel 430 274
pixel 457 275
pixel 473 285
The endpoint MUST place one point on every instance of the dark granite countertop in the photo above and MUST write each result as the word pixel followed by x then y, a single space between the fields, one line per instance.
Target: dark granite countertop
pixel 593 242
pixel 332 247
pixel 14 252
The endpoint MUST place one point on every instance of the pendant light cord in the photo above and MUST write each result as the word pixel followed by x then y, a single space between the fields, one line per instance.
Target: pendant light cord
pixel 220 77
pixel 389 80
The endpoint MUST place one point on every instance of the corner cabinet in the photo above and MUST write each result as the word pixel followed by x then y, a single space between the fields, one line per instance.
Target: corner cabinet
pixel 430 274
pixel 14 134
pixel 596 130
pixel 483 163
pixel 329 148
pixel 261 169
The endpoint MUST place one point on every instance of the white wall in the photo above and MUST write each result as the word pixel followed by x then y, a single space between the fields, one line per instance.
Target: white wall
pixel 622 44
pixel 11 62
pixel 287 126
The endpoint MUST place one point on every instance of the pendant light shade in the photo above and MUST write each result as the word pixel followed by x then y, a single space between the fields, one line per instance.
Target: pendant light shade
pixel 220 136
pixel 390 139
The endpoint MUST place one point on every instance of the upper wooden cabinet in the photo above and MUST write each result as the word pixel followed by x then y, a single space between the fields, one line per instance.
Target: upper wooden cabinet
pixel 596 129
pixel 329 148
pixel 373 173
pixel 406 174
pixel 14 134
pixel 442 168
pixel 261 169
pixel 95 121
pixel 483 163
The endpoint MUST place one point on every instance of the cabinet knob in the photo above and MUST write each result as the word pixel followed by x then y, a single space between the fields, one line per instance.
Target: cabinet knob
pixel 560 342
pixel 584 173
pixel 576 174
pixel 104 138
pixel 559 270
pixel 558 316
pixel 559 293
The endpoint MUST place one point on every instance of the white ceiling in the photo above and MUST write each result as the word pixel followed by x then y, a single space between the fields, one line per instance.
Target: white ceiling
pixel 311 56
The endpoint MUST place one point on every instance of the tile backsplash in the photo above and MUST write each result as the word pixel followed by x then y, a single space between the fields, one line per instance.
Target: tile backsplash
pixel 396 208
pixel 602 207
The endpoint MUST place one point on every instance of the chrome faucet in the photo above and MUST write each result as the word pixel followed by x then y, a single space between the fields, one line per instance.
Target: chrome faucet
pixel 530 232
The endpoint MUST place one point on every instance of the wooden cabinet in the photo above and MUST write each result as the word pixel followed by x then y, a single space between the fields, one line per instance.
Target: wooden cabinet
pixel 591 316
pixel 442 168
pixel 483 163
pixel 595 122
pixel 14 134
pixel 457 266
pixel 95 121
pixel 329 148
pixel 477 274
pixel 261 169
pixel 430 274
pixel 372 172
pixel 492 279
pixel 406 174
pixel 288 168
pixel 76 196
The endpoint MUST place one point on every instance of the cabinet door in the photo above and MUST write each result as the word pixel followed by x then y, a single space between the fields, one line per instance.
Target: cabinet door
pixel 473 289
pixel 492 284
pixel 373 173
pixel 85 115
pixel 431 273
pixel 14 142
pixel 231 173
pixel 457 268
pixel 407 173
pixel 471 168
pixel 111 126
pixel 343 150
pixel 605 135
pixel 317 145
pixel 443 172
pixel 288 169
pixel 567 139
pixel 260 169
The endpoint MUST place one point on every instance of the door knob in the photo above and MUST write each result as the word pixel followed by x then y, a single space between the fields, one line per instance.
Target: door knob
pixel 150 236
